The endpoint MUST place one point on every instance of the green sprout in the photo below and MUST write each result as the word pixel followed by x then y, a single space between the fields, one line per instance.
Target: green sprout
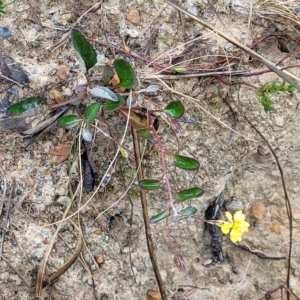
pixel 3 5
pixel 265 91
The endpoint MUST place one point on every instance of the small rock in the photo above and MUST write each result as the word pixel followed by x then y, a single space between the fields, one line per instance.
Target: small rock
pixel 153 295
pixel 276 228
pixel 30 182
pixel 5 32
pixel 63 72
pixel 98 231
pixel 228 47
pixel 100 260
pixel 133 16
pixel 207 15
pixel 234 205
pixel 297 10
pixel 258 211
pixel 65 18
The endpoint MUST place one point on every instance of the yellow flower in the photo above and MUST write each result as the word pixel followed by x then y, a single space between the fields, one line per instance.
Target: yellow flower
pixel 238 226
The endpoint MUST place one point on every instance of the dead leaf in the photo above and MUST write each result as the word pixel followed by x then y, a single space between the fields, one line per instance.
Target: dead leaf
pixel 60 153
pixel 154 295
pixel 62 72
pixel 115 80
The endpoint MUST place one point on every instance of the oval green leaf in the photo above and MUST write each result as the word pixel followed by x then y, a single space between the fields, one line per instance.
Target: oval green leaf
pixel 188 211
pixel 84 49
pixel 112 105
pixel 162 215
pixel 145 133
pixel 25 105
pixel 149 184
pixel 188 194
pixel 68 121
pixel 185 162
pixel 179 69
pixel 175 109
pixel 91 112
pixel 125 73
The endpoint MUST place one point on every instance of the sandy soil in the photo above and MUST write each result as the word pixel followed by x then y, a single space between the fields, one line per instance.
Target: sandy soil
pixel 115 262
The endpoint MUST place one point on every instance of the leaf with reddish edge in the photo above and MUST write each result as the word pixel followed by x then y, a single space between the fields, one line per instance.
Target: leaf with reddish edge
pixel 149 184
pixel 162 215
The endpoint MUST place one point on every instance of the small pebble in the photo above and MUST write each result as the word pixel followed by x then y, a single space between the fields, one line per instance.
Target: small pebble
pixel 133 16
pixel 258 211
pixel 4 32
pixel 13 91
pixel 234 205
pixel 297 10
pixel 228 47
pixel 276 228
pixel 207 15
pixel 139 269
pixel 37 28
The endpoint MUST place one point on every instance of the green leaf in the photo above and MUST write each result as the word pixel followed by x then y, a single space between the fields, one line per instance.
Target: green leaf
pixel 91 112
pixel 188 211
pixel 112 105
pixel 68 121
pixel 149 184
pixel 175 109
pixel 123 152
pixel 35 105
pixel 162 215
pixel 145 133
pixel 84 49
pixel 185 162
pixel 188 194
pixel 25 105
pixel 179 69
pixel 125 73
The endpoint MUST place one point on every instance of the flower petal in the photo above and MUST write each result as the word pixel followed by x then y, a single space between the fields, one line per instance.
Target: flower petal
pixel 239 216
pixel 228 216
pixel 235 236
pixel 225 227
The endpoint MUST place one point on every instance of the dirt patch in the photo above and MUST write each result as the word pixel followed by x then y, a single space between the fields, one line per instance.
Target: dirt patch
pixel 243 166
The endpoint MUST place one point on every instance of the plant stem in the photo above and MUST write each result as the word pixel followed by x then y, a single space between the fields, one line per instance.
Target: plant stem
pixel 164 168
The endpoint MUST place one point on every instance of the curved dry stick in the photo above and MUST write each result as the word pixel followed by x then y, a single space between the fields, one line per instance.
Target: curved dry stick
pixel 290 78
pixel 66 266
pixel 42 269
